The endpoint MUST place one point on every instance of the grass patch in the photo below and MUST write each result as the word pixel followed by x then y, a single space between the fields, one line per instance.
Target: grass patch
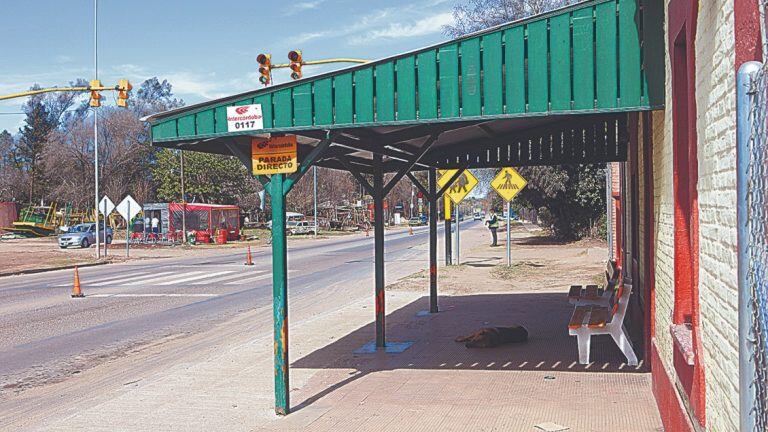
pixel 518 269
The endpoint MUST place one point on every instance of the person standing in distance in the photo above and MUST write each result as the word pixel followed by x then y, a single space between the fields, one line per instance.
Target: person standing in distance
pixel 493 225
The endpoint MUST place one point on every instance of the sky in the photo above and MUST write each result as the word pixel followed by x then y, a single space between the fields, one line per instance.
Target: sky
pixel 205 49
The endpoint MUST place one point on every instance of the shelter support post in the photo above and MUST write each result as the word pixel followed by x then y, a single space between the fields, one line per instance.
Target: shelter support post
pixel 378 233
pixel 432 196
pixel 280 294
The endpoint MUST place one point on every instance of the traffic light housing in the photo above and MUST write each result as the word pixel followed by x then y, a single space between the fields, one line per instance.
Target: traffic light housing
pixel 95 101
pixel 123 87
pixel 295 58
pixel 265 68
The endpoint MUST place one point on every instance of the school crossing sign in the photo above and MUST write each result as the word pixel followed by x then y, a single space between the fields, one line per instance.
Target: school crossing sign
pixel 461 187
pixel 508 183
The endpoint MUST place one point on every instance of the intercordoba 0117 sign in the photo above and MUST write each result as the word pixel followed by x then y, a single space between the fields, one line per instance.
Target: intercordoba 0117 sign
pixel 244 118
pixel 276 155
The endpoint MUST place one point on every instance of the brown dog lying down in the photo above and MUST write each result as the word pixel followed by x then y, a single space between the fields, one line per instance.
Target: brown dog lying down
pixel 490 337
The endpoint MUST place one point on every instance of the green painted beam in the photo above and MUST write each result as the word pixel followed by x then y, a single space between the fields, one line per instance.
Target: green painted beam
pixel 280 296
pixel 592 56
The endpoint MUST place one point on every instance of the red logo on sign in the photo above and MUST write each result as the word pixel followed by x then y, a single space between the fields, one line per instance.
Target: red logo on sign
pixel 242 110
pixel 262 144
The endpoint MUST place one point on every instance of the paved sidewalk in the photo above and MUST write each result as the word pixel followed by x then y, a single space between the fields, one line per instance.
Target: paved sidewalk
pixel 437 384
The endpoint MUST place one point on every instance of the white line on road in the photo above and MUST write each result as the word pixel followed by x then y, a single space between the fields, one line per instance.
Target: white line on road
pixel 154 280
pixel 112 278
pixel 202 276
pixel 226 278
pixel 251 279
pixel 128 279
pixel 150 295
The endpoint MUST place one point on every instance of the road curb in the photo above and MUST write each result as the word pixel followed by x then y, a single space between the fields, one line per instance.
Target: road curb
pixel 47 269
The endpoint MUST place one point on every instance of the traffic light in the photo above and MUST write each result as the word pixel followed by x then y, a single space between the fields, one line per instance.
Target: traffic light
pixel 123 87
pixel 265 68
pixel 95 95
pixel 295 58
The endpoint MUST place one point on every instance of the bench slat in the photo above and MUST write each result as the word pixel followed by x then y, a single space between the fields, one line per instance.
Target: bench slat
pixel 574 292
pixel 591 292
pixel 598 317
pixel 577 319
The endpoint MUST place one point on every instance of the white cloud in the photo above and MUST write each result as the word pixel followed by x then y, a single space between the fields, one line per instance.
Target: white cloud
pixel 422 27
pixel 304 6
pixel 385 23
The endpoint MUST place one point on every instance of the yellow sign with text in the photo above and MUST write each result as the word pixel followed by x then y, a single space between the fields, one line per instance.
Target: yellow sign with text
pixel 508 183
pixel 276 155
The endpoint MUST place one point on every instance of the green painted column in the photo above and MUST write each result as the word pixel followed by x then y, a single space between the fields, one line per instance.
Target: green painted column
pixel 280 294
pixel 433 240
pixel 378 234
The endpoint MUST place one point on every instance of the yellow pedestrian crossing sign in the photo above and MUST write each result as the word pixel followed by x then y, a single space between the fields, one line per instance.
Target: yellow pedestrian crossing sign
pixel 508 183
pixel 461 187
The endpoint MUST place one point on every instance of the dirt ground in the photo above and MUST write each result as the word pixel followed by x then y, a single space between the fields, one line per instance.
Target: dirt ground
pixel 539 263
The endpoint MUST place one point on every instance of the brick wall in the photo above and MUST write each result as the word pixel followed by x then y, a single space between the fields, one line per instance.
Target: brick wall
pixel 715 86
pixel 718 279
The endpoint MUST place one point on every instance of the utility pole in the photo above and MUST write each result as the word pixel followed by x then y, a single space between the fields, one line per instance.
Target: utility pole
pixel 184 202
pixel 96 126
pixel 314 194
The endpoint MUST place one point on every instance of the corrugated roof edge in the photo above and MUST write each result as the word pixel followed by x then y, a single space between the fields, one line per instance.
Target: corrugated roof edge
pixel 178 112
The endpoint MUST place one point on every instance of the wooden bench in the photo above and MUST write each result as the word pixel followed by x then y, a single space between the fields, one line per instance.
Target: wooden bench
pixel 594 319
pixel 594 294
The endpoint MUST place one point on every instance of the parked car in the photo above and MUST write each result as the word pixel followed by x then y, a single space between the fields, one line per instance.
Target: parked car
pixel 84 235
pixel 299 227
pixel 477 216
pixel 415 221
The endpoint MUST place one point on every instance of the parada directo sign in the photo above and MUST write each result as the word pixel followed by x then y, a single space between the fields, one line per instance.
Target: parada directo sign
pixel 276 155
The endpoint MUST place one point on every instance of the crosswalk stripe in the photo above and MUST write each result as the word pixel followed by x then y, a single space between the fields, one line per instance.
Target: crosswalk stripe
pixel 246 280
pixel 191 278
pixel 126 279
pixel 163 276
pixel 152 295
pixel 108 279
pixel 226 278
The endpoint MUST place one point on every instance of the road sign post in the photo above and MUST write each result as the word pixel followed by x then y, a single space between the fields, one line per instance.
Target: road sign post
pixel 128 209
pixel 106 206
pixel 459 190
pixel 508 183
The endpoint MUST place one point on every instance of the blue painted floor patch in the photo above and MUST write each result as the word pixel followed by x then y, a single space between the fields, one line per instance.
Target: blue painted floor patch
pixel 389 348
pixel 422 313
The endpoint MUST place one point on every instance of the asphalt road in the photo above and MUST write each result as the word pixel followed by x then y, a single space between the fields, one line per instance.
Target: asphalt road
pixel 46 336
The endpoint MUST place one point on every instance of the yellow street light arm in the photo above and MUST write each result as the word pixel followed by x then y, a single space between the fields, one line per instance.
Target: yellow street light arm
pixel 325 61
pixel 58 89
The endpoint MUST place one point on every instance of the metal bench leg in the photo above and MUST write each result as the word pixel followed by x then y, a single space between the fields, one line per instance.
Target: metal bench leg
pixel 619 335
pixel 583 337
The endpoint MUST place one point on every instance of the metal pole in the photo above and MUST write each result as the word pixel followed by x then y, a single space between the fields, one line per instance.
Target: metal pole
pixel 280 295
pixel 96 121
pixel 105 228
pixel 183 201
pixel 609 209
pixel 509 236
pixel 458 234
pixel 127 231
pixel 747 371
pixel 314 193
pixel 433 240
pixel 378 233
pixel 448 241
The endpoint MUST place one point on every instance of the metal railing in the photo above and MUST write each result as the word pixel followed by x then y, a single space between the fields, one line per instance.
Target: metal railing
pixel 752 209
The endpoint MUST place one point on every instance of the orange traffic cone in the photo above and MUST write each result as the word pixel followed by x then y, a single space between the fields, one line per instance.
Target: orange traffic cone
pixel 367 234
pixel 76 291
pixel 249 259
pixel 410 230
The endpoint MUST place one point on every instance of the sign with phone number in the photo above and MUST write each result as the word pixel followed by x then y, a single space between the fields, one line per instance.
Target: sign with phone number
pixel 244 118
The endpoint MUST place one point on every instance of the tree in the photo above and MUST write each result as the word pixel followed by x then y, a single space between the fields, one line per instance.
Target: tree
pixel 44 113
pixel 475 15
pixel 571 198
pixel 208 178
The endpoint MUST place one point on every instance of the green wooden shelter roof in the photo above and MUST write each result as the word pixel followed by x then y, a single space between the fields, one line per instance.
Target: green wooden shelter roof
pixel 589 62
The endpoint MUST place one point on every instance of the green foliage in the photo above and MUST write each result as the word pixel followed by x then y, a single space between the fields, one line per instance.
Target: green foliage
pixel 208 178
pixel 570 199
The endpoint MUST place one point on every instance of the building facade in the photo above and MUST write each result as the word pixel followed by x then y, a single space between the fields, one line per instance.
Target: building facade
pixel 678 201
